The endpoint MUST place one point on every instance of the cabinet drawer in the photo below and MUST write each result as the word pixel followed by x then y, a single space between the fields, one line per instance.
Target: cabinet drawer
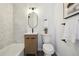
pixel 31 37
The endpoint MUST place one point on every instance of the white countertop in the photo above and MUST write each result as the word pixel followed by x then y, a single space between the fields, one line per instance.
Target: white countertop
pixel 30 33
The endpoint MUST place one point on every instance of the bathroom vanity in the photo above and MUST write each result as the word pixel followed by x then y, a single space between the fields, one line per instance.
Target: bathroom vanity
pixel 31 44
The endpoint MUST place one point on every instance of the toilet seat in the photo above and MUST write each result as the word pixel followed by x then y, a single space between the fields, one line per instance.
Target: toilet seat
pixel 48 48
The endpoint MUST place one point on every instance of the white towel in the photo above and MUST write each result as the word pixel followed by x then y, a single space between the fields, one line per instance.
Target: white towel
pixel 70 31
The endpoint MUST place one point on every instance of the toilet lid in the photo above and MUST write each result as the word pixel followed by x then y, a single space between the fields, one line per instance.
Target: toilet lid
pixel 48 47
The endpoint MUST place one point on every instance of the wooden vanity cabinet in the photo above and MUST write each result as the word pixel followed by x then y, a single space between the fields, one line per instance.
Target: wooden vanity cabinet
pixel 31 44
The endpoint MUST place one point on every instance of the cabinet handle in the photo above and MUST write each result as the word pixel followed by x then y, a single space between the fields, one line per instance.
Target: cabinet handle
pixel 32 38
pixel 27 38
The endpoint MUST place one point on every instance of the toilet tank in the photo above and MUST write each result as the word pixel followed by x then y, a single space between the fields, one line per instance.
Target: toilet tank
pixel 46 38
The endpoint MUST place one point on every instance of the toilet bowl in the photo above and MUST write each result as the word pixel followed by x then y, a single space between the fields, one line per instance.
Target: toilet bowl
pixel 48 48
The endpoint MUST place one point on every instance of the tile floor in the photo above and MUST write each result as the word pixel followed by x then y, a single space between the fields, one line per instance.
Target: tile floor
pixel 40 53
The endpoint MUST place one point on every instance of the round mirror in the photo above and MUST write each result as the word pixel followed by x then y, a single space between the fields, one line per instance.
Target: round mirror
pixel 32 20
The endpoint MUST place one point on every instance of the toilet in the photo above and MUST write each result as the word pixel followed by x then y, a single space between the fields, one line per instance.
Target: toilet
pixel 48 48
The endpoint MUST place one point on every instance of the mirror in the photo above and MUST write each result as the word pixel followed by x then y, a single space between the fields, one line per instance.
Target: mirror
pixel 32 20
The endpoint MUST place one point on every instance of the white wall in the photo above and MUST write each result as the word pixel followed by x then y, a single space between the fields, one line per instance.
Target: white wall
pixel 59 27
pixel 46 11
pixel 6 24
pixel 19 22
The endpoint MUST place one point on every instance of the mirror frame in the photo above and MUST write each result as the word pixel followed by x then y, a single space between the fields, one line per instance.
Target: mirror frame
pixel 36 21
